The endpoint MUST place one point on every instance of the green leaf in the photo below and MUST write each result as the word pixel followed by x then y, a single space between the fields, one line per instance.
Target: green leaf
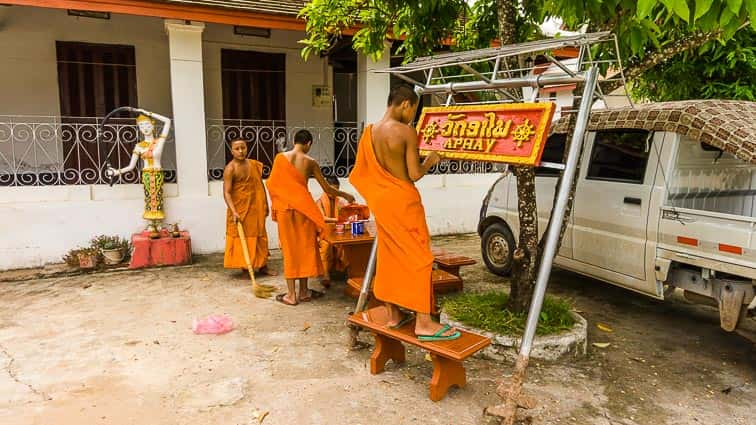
pixel 725 17
pixel 644 8
pixel 636 41
pixel 734 5
pixel 681 9
pixel 751 8
pixel 702 6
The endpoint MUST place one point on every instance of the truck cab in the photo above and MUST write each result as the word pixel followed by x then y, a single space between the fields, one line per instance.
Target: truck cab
pixel 665 199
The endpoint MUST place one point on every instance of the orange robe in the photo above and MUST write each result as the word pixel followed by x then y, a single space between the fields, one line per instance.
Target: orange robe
pixel 249 200
pixel 299 220
pixel 405 262
pixel 333 258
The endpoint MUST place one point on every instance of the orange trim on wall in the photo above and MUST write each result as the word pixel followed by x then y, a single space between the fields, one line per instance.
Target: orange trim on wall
pixel 172 11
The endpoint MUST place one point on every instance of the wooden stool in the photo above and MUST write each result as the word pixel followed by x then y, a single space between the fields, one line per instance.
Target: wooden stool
pixel 447 356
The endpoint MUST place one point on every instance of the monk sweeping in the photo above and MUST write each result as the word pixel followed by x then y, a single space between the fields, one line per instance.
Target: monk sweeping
pixel 333 257
pixel 299 220
pixel 247 202
pixel 388 163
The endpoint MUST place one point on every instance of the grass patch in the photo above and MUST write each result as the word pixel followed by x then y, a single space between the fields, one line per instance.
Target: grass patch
pixel 486 311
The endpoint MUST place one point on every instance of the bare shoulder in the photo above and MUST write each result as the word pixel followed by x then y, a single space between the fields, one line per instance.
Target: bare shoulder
pixel 230 168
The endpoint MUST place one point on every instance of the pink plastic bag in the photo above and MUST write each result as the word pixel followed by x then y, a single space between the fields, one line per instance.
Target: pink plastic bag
pixel 213 324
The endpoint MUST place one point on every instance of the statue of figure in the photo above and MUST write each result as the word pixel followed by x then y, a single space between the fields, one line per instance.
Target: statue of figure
pixel 150 150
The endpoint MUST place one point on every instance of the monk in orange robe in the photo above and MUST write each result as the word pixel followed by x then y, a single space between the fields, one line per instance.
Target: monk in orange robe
pixel 333 257
pixel 388 163
pixel 247 202
pixel 299 220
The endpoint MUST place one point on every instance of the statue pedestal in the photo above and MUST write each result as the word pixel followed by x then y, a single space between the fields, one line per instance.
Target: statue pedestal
pixel 164 251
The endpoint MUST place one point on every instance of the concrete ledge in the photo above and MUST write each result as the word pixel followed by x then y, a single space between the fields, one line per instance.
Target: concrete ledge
pixel 550 347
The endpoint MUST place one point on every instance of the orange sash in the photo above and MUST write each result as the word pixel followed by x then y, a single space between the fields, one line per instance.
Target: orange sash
pixel 288 191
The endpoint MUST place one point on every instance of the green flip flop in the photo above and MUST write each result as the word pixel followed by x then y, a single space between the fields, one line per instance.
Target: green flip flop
pixel 438 335
pixel 407 318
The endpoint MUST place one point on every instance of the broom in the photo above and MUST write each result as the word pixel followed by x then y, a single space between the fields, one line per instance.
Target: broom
pixel 260 291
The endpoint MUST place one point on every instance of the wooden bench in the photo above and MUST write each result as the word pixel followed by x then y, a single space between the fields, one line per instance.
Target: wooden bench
pixel 447 356
pixel 441 282
pixel 449 262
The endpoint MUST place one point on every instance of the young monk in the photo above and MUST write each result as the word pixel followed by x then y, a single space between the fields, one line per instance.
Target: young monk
pixel 299 220
pixel 247 202
pixel 388 163
pixel 333 258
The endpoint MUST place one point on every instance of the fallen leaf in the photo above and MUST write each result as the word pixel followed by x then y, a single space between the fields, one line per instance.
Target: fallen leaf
pixel 428 357
pixel 601 344
pixel 260 416
pixel 604 328
pixel 306 326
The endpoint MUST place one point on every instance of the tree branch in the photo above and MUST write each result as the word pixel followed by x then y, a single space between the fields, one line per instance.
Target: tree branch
pixel 635 68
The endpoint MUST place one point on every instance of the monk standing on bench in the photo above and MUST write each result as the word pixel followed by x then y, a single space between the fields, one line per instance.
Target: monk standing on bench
pixel 245 197
pixel 299 219
pixel 388 163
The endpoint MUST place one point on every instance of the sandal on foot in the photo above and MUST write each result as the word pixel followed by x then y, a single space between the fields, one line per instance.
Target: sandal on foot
pixel 312 296
pixel 438 336
pixel 280 298
pixel 406 319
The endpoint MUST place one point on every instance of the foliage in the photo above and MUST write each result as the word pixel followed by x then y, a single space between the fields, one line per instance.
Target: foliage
pixel 486 311
pixel 650 32
pixel 110 242
pixel 96 245
pixel 714 71
pixel 72 256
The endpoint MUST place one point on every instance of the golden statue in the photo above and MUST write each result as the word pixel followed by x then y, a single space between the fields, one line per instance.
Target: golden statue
pixel 150 150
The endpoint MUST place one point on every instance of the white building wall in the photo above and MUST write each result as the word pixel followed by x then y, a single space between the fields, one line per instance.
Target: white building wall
pixel 39 224
pixel 29 74
pixel 33 233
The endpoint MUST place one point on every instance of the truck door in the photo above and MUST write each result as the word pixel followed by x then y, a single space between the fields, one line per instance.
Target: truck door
pixel 611 207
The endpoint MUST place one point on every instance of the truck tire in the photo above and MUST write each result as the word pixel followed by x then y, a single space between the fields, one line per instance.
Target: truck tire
pixel 497 245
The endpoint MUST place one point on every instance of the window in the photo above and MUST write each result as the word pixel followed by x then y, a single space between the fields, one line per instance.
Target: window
pixel 93 79
pixel 552 152
pixel 619 155
pixel 254 101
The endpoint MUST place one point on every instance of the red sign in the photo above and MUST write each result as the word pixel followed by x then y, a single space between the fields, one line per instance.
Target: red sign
pixel 509 133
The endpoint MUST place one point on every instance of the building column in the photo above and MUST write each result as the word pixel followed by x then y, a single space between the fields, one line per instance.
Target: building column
pixel 188 100
pixel 372 88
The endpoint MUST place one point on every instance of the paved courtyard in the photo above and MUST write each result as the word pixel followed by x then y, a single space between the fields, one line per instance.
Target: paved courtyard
pixel 118 348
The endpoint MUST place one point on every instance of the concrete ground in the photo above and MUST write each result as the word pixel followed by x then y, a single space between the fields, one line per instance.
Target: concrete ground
pixel 118 349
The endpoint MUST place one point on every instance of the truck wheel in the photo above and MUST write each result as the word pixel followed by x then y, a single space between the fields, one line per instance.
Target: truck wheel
pixel 497 246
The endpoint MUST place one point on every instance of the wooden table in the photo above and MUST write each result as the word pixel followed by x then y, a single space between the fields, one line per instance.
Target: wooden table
pixel 356 249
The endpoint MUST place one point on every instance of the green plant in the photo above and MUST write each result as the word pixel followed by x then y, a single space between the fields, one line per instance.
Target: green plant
pixel 111 242
pixel 487 311
pixel 72 256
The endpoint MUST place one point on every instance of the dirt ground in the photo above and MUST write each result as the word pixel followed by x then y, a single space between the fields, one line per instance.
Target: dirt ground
pixel 118 349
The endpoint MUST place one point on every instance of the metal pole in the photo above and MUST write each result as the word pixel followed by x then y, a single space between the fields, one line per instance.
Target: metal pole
pixel 513 393
pixel 367 282
pixel 509 83
pixel 557 215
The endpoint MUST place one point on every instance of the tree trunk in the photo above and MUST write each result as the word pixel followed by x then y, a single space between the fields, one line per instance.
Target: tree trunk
pixel 525 255
pixel 524 266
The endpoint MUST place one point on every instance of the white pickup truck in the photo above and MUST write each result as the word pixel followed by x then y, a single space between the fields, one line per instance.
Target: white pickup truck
pixel 665 199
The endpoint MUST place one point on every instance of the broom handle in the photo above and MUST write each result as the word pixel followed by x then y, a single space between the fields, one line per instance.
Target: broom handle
pixel 245 250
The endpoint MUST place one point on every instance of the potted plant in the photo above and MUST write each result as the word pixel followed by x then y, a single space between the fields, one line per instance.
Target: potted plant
pixel 112 248
pixel 112 253
pixel 72 257
pixel 88 258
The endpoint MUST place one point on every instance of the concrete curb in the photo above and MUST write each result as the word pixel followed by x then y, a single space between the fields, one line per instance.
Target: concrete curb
pixel 550 347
